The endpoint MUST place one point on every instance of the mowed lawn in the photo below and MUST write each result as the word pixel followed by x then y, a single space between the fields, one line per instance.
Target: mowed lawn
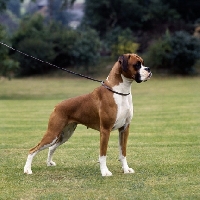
pixel 163 146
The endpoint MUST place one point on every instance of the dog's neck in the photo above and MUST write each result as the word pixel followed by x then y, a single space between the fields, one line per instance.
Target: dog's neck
pixel 117 81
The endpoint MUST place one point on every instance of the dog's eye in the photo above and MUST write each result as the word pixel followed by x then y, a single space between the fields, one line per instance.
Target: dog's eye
pixel 137 66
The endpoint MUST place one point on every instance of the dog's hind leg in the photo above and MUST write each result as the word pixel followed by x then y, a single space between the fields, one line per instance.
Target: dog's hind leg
pixel 27 167
pixel 52 141
pixel 65 135
pixel 45 143
pixel 52 137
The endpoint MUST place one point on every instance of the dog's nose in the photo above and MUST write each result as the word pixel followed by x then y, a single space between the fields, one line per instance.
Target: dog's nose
pixel 147 69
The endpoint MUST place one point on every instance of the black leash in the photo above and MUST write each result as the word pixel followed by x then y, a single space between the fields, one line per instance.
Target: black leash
pixel 64 69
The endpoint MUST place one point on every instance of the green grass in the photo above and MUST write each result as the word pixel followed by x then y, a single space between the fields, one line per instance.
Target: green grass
pixel 163 146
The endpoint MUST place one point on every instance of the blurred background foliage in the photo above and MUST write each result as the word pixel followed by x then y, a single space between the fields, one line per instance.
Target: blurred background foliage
pixel 78 33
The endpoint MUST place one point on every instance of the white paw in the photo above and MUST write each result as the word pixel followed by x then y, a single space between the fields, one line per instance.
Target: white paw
pixel 128 171
pixel 103 167
pixel 106 172
pixel 27 170
pixel 51 163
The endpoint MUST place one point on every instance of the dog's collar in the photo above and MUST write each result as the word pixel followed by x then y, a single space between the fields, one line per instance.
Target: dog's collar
pixel 107 87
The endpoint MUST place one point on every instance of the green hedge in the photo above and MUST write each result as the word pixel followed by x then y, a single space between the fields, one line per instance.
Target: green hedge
pixel 54 43
pixel 7 65
pixel 175 53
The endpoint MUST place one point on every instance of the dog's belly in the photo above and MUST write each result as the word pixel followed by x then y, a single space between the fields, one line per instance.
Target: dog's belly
pixel 124 111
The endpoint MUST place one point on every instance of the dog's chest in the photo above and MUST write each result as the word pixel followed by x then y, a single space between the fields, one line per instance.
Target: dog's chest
pixel 124 110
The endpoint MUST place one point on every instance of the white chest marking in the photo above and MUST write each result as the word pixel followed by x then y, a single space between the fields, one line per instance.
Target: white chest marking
pixel 124 104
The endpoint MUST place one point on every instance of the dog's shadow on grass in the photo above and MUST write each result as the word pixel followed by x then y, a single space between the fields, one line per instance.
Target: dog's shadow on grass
pixel 81 171
pixel 77 171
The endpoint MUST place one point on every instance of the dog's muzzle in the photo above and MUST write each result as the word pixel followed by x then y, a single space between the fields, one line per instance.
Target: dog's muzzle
pixel 149 75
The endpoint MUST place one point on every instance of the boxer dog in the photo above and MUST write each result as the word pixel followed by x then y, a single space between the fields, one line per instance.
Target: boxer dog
pixel 107 108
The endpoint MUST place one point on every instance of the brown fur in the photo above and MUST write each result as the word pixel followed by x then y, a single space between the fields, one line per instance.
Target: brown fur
pixel 96 110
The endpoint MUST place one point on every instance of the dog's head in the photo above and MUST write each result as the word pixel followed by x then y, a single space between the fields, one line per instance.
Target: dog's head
pixel 133 67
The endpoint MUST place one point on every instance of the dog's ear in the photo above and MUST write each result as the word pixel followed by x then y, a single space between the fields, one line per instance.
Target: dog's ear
pixel 123 60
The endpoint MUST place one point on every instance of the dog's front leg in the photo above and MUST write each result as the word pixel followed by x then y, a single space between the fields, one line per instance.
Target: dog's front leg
pixel 104 138
pixel 123 137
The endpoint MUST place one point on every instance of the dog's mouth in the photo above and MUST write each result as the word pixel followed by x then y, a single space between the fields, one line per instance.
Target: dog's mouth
pixel 138 78
pixel 148 77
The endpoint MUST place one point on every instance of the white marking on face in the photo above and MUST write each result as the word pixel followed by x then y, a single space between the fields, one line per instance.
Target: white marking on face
pixel 144 74
pixel 124 103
